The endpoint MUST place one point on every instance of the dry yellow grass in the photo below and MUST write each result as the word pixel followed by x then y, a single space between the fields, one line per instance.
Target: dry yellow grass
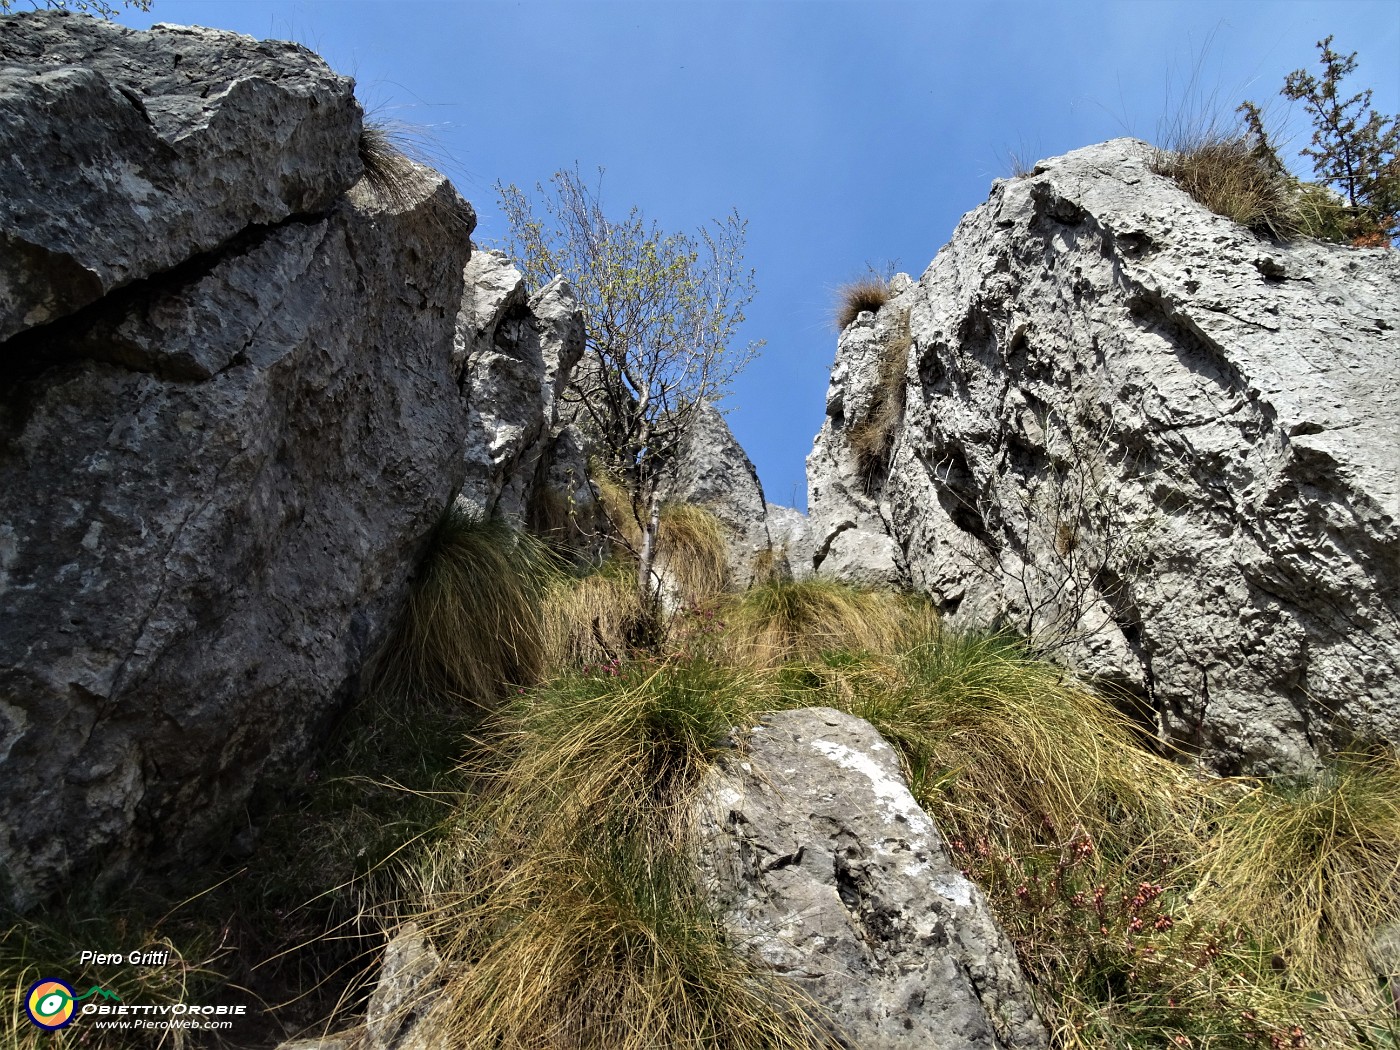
pixel 692 553
pixel 472 625
pixel 855 297
pixel 1227 175
pixel 781 620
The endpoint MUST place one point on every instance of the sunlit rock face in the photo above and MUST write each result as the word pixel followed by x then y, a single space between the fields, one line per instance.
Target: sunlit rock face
pixel 823 868
pixel 1163 447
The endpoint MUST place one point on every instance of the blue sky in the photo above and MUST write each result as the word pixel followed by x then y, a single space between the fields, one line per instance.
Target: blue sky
pixel 848 133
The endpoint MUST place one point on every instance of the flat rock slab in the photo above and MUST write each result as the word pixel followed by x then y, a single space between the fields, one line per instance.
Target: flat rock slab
pixel 825 869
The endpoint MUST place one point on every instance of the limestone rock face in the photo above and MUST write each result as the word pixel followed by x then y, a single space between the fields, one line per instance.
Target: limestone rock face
pixel 215 482
pixel 849 526
pixel 1165 448
pixel 791 535
pixel 515 353
pixel 824 868
pixel 715 472
pixel 174 141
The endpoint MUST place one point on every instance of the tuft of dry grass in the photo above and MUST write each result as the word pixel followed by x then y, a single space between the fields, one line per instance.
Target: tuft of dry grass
pixel 692 552
pixel 566 906
pixel 855 297
pixel 782 620
pixel 1315 862
pixel 1227 174
pixel 590 619
pixel 472 626
pixel 393 178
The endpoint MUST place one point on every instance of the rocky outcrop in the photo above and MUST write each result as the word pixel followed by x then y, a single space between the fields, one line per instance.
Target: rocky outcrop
pixel 215 480
pixel 714 472
pixel 1160 445
pixel 515 352
pixel 824 869
pixel 174 142
pixel 405 1010
pixel 850 534
pixel 791 535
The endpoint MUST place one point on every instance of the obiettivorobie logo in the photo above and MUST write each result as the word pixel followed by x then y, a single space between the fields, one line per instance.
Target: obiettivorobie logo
pixel 51 1003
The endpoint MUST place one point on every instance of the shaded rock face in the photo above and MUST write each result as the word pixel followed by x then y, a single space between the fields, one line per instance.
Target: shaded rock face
pixel 214 483
pixel 515 353
pixel 714 471
pixel 1165 448
pixel 174 141
pixel 824 868
pixel 406 1010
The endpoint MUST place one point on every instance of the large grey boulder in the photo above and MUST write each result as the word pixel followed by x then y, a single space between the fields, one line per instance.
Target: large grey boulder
pixel 824 869
pixel 214 484
pixel 125 153
pixel 1164 447
pixel 515 352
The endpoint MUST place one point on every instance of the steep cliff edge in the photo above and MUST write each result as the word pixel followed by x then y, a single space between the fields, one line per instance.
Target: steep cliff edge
pixel 1165 448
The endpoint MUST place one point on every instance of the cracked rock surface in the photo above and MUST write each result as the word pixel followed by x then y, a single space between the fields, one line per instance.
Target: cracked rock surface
pixel 516 352
pixel 1165 448
pixel 824 868
pixel 214 481
pixel 173 141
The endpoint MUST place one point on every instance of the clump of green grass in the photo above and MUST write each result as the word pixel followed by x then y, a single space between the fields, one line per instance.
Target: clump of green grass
pixel 565 904
pixel 999 743
pixel 472 626
pixel 855 297
pixel 1227 174
pixel 1151 906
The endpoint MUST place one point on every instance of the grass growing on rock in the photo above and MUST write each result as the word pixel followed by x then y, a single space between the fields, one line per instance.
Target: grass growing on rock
pixel 872 438
pixel 472 627
pixel 856 297
pixel 1150 905
pixel 566 900
pixel 1228 176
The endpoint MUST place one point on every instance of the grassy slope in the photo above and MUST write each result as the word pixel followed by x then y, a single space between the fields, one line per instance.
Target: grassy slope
pixel 1150 906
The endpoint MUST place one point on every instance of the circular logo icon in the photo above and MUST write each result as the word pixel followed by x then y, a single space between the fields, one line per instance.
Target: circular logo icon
pixel 50 1003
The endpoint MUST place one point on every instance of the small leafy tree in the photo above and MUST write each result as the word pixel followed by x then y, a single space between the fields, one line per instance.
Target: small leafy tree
pixel 660 310
pixel 1353 149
